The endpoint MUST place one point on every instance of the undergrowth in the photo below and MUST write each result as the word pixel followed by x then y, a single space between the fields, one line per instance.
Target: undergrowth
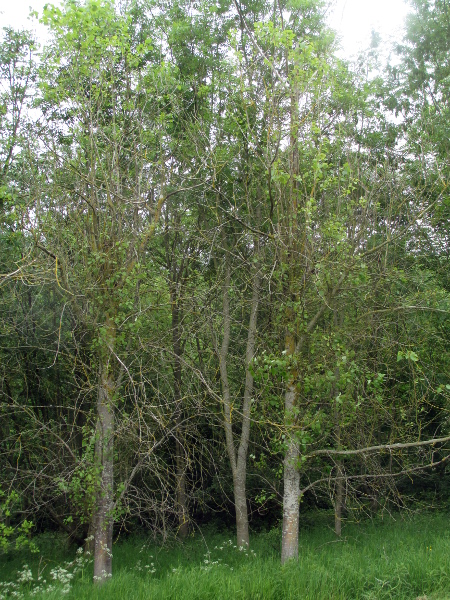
pixel 403 559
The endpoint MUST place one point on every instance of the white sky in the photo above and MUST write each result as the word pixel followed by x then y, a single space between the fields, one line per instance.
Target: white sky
pixel 14 13
pixel 353 19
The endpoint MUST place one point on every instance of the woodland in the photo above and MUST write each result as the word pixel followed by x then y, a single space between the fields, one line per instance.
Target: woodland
pixel 224 272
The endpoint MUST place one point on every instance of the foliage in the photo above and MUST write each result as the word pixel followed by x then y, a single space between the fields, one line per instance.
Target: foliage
pixel 223 264
pixel 15 535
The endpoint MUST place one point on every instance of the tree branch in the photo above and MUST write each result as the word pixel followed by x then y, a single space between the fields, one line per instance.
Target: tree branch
pixel 332 452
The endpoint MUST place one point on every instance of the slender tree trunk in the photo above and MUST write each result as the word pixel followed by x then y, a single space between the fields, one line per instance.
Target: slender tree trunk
pixel 339 501
pixel 180 457
pixel 339 494
pixel 291 494
pixel 104 455
pixel 240 504
pixel 240 499
pixel 238 460
pixel 183 515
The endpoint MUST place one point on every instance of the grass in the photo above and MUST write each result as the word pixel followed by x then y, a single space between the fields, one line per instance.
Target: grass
pixel 402 559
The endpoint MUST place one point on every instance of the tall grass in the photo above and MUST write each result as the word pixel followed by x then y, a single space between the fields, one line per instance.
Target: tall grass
pixel 390 559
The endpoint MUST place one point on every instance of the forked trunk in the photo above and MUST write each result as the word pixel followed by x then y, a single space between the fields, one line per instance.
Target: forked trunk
pixel 238 458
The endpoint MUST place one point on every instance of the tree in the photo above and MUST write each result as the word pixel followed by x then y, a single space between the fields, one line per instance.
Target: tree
pixel 110 166
pixel 224 267
pixel 334 218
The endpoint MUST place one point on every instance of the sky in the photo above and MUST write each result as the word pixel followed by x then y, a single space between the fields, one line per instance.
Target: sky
pixel 353 19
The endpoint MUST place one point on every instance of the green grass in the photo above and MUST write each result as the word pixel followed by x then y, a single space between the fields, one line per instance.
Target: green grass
pixel 403 559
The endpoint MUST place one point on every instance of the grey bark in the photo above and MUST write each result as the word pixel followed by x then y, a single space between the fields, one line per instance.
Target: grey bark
pixel 181 496
pixel 292 492
pixel 291 474
pixel 238 457
pixel 339 493
pixel 104 455
pixel 291 495
pixel 339 503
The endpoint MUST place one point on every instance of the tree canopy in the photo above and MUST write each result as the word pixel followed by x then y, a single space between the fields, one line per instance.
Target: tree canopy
pixel 224 281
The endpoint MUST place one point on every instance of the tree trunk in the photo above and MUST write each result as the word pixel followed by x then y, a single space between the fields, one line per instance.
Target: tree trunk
pixel 339 502
pixel 183 515
pixel 339 494
pixel 239 491
pixel 181 498
pixel 291 495
pixel 238 460
pixel 240 504
pixel 104 455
